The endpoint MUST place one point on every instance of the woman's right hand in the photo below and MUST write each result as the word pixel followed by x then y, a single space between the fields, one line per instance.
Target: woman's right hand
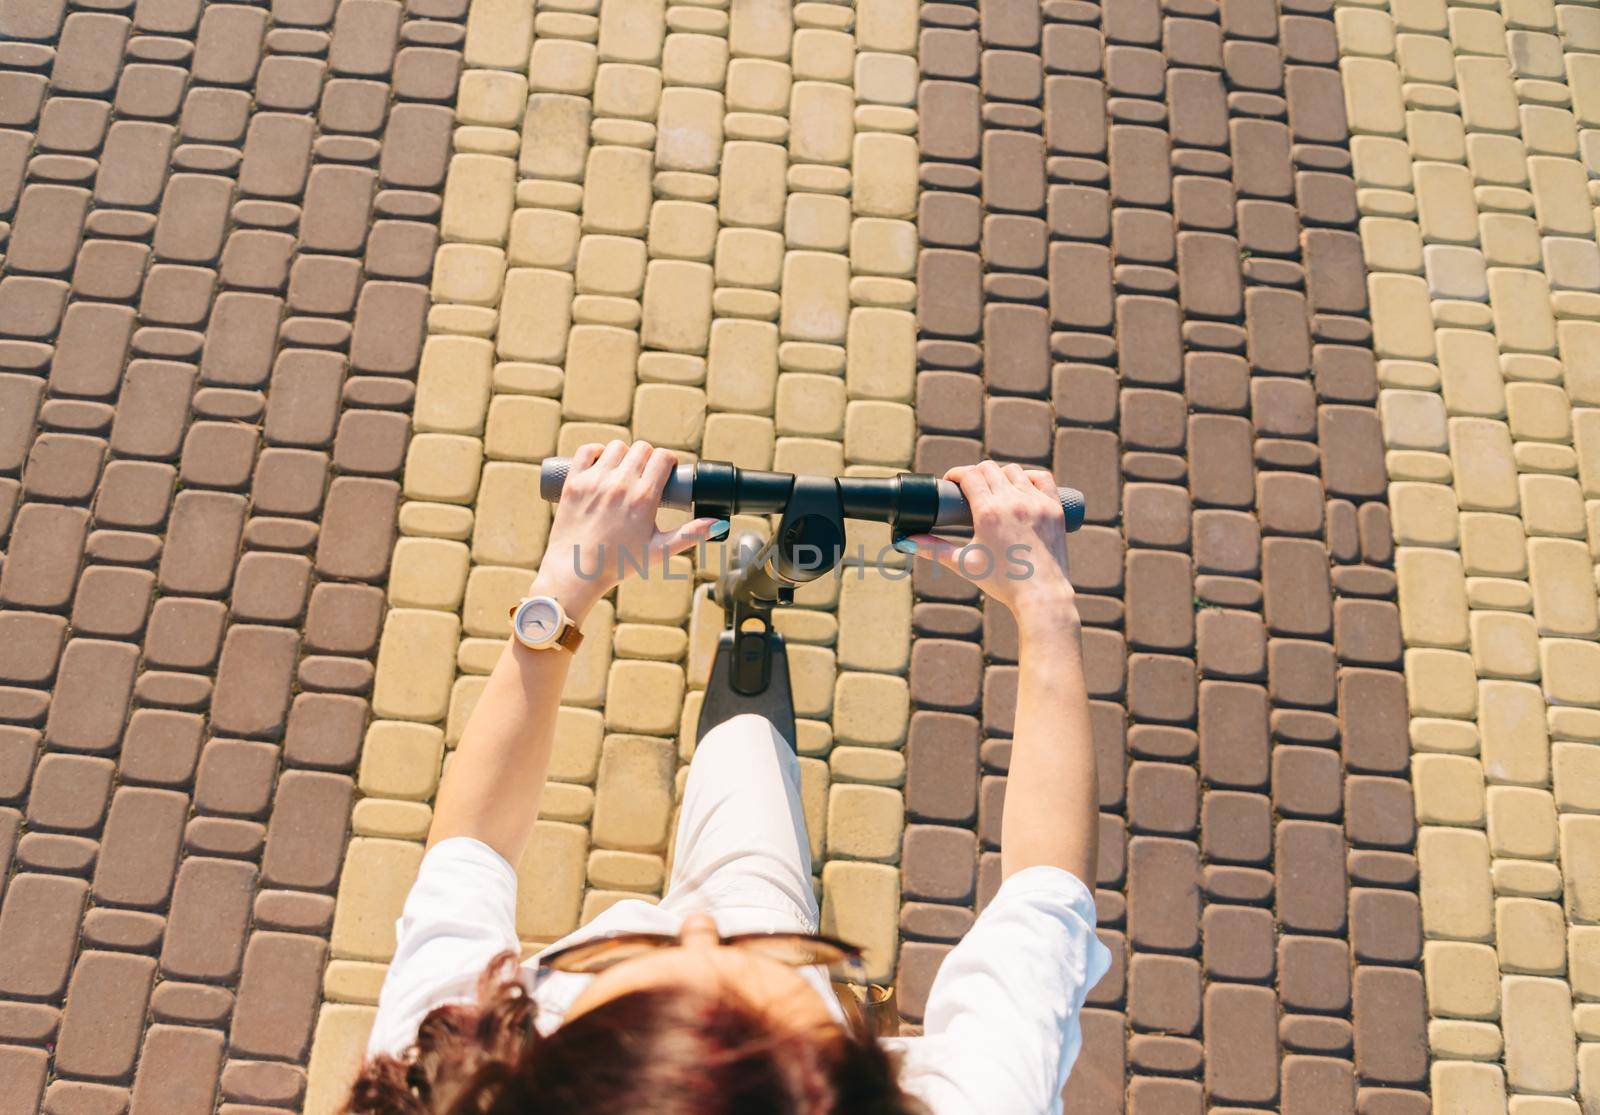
pixel 1018 551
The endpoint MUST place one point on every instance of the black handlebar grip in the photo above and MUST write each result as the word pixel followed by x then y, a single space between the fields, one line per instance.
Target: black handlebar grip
pixel 679 491
pixel 954 512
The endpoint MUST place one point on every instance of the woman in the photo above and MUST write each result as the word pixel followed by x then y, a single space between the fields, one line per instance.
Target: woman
pixel 716 1000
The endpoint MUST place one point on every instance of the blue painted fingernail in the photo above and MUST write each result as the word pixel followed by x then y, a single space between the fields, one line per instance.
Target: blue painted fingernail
pixel 906 545
pixel 718 530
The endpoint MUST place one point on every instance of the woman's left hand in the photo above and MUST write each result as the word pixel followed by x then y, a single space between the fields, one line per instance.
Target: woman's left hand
pixel 605 524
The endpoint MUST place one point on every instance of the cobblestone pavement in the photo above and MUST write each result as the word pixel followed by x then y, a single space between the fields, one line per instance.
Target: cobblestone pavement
pixel 295 295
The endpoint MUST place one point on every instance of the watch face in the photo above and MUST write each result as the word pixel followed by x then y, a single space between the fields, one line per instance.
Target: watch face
pixel 537 621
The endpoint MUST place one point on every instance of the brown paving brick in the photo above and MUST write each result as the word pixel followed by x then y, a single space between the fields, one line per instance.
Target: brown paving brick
pixel 140 847
pixel 38 931
pixel 178 1070
pixel 100 1028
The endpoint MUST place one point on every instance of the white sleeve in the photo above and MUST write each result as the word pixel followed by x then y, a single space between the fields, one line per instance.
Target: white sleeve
pixel 1000 1030
pixel 460 913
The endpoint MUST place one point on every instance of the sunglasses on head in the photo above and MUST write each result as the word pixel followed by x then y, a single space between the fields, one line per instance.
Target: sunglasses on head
pixel 798 950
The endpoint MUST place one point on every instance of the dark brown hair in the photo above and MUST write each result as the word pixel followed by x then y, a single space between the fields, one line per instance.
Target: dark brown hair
pixel 666 1051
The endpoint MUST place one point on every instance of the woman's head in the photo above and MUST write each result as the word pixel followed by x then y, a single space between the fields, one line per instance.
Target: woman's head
pixel 698 1029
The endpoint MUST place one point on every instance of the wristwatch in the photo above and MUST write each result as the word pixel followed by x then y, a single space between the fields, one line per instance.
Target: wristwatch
pixel 541 623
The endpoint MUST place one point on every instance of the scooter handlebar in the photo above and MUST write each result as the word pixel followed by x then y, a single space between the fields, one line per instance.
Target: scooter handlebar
pixel 953 510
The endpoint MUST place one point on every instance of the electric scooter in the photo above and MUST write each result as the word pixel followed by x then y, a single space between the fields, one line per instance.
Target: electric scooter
pixel 750 670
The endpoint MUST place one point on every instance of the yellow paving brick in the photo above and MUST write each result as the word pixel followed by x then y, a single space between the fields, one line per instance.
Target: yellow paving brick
pixel 644 697
pixel 1522 822
pixel 1449 790
pixel 1571 671
pixel 1515 743
pixel 353 981
pixel 633 804
pixel 889 25
pixel 885 169
pixel 860 904
pixel 821 123
pixel 810 405
pixel 555 137
pixel 677 306
pixel 611 265
pixel 743 439
pixel 337 1048
pixel 372 888
pixel 689 133
pixel 428 573
pixel 1553 505
pixel 564 801
pixel 626 870
pixel 1505 644
pixel 1440 683
pixel 453 385
pixel 544 238
pixel 817 221
pixel 499 34
pixel 823 55
pixel 879 433
pixel 401 760
pixel 1469 1088
pixel 576 754
pixel 742 368
pixel 1469 370
pixel 627 91
pixel 1391 244
pixel 550 879
pixel 1536 1016
pixel 1433 597
pixel 865 822
pixel 470 273
pixel 872 765
pixel 522 428
pixel 683 230
pixel 881 354
pixel 669 416
pixel 1457 903
pixel 386 817
pixel 1486 478
pixel 1583 76
pixel 435 520
pixel 1580 866
pixel 586 678
pixel 874 621
pixel 478 197
pixel 1488 101
pixel 816 301
pixel 1575 774
pixel 491 592
pixel 512 526
pixel 1402 322
pixel 1521 301
pixel 1562 575
pixel 1463 979
pixel 1424 514
pixel 1413 420
pixel 617 192
pixel 749 257
pixel 886 78
pixel 416 664
pixel 534 315
pixel 632 32
pixel 761 29
pixel 600 373
pixel 1493 545
pixel 692 58
pixel 562 66
pixel 1365 31
pixel 811 674
pixel 1373 102
pixel 753 188
pixel 758 86
pixel 1526 878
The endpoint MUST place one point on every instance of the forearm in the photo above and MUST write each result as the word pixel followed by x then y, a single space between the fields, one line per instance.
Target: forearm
pixel 1052 798
pixel 496 776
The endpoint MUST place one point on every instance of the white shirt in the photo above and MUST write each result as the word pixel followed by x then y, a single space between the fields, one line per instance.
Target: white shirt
pixel 1000 1028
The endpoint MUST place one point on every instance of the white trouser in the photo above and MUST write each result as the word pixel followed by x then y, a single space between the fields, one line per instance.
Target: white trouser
pixel 741 840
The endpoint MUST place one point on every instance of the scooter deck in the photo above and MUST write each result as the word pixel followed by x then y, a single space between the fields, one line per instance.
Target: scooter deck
pixel 723 702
